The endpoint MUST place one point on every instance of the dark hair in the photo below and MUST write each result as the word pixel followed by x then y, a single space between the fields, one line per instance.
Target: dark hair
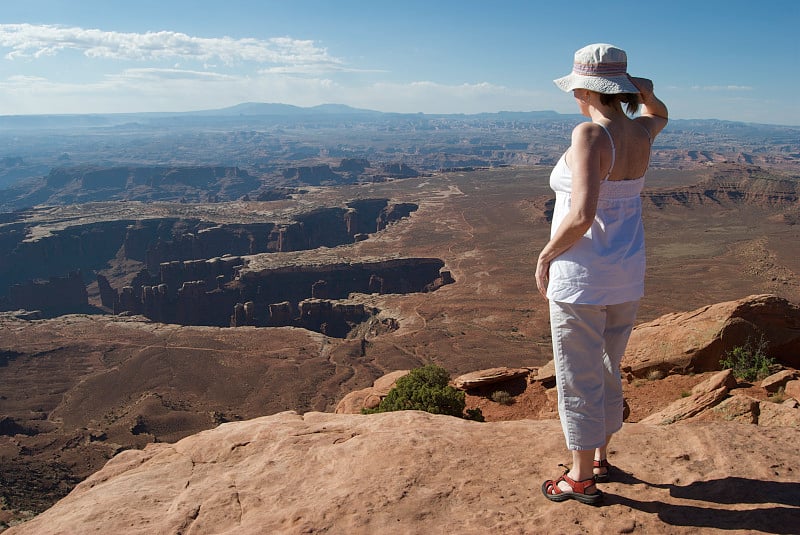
pixel 631 101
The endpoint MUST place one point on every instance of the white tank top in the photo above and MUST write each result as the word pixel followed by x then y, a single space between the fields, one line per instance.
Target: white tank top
pixel 606 265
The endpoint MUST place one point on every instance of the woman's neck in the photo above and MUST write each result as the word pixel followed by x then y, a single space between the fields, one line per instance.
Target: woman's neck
pixel 605 114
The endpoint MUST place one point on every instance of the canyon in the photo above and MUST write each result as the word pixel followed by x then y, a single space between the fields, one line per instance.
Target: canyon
pixel 128 323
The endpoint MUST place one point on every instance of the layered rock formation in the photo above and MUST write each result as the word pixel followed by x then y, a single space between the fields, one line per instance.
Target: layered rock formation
pixel 82 184
pixel 349 171
pixel 28 251
pixel 215 293
pixel 730 185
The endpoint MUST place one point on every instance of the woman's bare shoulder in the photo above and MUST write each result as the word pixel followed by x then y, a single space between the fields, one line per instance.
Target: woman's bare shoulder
pixel 586 132
pixel 654 124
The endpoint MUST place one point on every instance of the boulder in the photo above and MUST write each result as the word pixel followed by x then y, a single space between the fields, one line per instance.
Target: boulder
pixel 547 374
pixel 490 376
pixel 370 397
pixel 697 340
pixel 383 384
pixel 776 381
pixel 704 395
pixel 723 379
pixel 792 389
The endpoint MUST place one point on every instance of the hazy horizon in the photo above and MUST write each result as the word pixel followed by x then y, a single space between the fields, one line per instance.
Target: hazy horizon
pixel 300 109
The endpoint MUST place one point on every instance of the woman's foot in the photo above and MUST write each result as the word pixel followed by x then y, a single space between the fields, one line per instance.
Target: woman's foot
pixel 601 469
pixel 565 488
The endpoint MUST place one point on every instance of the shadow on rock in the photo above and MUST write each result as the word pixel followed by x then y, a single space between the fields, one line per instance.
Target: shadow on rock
pixel 730 491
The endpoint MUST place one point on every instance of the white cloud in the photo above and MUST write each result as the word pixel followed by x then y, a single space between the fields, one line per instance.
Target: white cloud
pixel 722 88
pixel 156 75
pixel 314 68
pixel 34 41
pixel 178 72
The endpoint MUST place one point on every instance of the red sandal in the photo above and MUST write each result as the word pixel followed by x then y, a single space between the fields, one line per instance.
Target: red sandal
pixel 605 476
pixel 553 492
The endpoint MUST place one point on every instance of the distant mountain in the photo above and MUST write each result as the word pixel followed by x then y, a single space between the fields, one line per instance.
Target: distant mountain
pixel 250 108
pixel 283 112
pixel 241 114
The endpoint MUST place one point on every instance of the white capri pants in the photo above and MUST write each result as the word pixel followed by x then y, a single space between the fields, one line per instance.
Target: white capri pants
pixel 588 344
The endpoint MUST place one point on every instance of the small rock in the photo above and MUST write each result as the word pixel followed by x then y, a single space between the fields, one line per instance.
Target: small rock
pixel 776 381
pixel 486 377
pixel 547 374
pixel 792 389
pixel 723 379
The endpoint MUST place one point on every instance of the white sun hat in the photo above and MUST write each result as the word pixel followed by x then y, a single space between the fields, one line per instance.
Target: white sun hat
pixel 599 67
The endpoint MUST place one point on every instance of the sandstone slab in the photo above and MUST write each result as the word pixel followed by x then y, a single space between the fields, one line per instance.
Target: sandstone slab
pixel 703 396
pixel 487 377
pixel 413 472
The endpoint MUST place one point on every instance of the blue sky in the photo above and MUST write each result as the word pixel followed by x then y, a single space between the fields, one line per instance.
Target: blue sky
pixel 733 60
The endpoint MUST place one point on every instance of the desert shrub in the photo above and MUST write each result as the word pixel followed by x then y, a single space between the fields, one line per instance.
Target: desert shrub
pixel 779 396
pixel 750 361
pixel 655 375
pixel 425 389
pixel 502 397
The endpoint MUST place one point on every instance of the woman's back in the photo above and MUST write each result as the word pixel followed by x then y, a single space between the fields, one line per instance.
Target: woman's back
pixel 630 143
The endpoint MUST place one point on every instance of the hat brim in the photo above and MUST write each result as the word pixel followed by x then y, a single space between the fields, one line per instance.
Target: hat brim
pixel 609 85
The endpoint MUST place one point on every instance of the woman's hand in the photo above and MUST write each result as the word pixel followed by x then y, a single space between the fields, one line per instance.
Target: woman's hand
pixel 644 85
pixel 542 276
pixel 653 111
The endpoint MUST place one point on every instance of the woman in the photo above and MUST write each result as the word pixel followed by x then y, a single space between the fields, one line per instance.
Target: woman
pixel 592 269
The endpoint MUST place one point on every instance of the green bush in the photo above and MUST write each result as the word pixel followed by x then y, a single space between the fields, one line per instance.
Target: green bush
pixel 426 389
pixel 750 361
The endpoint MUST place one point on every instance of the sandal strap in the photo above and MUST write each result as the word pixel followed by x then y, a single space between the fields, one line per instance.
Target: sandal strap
pixel 578 486
pixel 601 463
pixel 552 487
